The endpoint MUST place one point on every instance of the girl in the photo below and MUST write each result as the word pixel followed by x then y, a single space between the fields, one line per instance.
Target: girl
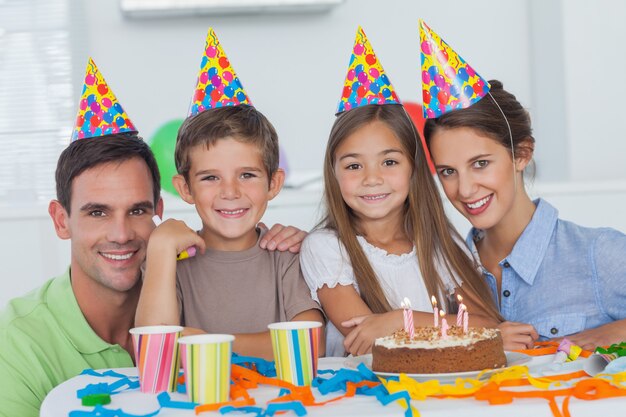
pixel 563 279
pixel 384 235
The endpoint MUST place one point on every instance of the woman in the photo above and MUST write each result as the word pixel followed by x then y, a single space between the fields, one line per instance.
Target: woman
pixel 563 279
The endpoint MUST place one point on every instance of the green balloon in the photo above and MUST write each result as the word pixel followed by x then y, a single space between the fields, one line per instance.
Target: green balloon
pixel 163 145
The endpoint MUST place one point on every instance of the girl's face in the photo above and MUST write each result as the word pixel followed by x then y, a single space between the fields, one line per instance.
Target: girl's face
pixel 477 175
pixel 373 173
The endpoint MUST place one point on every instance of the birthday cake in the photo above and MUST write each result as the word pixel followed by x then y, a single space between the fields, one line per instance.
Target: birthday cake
pixel 428 353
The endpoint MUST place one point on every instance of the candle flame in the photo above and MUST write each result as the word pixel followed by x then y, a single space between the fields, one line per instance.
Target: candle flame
pixel 459 297
pixel 433 300
pixel 406 302
pixel 442 313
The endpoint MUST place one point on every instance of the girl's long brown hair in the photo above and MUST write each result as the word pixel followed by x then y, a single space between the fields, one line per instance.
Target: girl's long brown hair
pixel 426 224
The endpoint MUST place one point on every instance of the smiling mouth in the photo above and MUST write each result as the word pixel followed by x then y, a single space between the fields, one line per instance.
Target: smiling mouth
pixel 374 197
pixel 479 203
pixel 232 213
pixel 118 257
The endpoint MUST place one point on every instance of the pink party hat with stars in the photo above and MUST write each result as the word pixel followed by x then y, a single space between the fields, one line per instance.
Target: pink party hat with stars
pixel 366 82
pixel 218 84
pixel 99 112
pixel 448 82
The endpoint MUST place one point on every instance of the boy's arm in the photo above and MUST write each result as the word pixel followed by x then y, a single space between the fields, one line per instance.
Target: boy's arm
pixel 260 344
pixel 157 302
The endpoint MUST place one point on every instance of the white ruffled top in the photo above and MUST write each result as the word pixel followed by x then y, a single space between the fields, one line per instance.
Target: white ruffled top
pixel 324 261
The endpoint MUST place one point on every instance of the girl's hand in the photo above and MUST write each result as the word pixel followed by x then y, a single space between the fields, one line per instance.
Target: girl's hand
pixel 282 238
pixel 368 328
pixel 517 335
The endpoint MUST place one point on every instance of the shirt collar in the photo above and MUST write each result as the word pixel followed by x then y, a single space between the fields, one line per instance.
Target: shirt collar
pixel 532 245
pixel 64 307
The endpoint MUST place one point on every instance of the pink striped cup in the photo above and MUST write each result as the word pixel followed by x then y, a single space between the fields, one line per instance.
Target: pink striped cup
pixel 156 356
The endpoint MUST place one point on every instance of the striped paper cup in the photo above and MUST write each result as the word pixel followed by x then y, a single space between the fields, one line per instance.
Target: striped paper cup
pixel 156 356
pixel 296 348
pixel 206 361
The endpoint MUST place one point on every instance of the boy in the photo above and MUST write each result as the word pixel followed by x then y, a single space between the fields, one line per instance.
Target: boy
pixel 227 162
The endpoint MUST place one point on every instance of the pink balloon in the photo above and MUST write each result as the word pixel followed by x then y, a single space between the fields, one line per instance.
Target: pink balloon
pixel 95 107
pixel 204 77
pixel 351 74
pixel 359 49
pixel 90 79
pixel 362 77
pixel 106 102
pixel 450 72
pixel 439 80
pixel 426 48
pixel 425 77
pixel 430 113
pixel 374 72
pixel 470 71
pixel 228 76
pixel 211 51
pixel 347 105
pixel 83 104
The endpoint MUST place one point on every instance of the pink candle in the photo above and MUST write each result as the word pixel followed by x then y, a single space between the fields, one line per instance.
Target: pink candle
pixel 459 315
pixel 409 327
pixel 444 325
pixel 435 311
pixel 465 321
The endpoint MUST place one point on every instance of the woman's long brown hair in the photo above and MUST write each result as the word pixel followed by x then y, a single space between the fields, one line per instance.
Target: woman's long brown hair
pixel 426 224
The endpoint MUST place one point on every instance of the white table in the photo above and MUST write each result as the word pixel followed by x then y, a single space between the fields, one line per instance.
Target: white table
pixel 61 400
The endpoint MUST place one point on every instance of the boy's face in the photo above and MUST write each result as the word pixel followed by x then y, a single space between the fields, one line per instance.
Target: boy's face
pixel 229 185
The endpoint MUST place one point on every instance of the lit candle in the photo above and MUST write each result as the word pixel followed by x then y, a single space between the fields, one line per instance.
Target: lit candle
pixel 444 325
pixel 459 315
pixel 465 321
pixel 409 327
pixel 435 311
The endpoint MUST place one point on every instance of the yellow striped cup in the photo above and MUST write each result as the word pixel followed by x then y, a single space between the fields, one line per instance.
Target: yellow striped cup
pixel 206 362
pixel 296 348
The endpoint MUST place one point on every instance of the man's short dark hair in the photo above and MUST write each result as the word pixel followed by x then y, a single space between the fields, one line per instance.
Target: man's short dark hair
pixel 84 154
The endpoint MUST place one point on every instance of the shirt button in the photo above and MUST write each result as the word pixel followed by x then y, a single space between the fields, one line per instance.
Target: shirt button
pixel 554 330
pixel 506 293
pixel 506 264
pixel 115 350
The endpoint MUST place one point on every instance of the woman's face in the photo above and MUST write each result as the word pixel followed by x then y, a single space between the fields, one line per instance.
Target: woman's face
pixel 477 175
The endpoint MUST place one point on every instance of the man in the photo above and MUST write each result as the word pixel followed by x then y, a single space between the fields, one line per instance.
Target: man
pixel 108 189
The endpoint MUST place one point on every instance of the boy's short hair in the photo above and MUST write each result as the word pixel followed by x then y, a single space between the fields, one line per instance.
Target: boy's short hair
pixel 243 123
pixel 84 154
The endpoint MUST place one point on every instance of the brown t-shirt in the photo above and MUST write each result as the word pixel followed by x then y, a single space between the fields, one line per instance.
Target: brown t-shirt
pixel 241 292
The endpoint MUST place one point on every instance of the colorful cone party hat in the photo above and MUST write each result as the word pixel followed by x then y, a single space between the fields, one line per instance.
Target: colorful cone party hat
pixel 218 84
pixel 99 112
pixel 366 82
pixel 448 82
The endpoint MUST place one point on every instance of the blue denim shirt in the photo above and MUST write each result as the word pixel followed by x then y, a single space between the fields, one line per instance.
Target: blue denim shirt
pixel 560 277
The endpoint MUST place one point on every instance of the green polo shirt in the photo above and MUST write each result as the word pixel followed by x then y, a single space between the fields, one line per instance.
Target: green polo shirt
pixel 45 340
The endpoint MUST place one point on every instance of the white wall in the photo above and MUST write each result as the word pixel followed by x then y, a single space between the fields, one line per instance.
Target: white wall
pixel 563 59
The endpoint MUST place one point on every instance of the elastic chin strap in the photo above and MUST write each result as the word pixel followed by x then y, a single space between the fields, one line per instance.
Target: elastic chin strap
pixel 415 135
pixel 510 138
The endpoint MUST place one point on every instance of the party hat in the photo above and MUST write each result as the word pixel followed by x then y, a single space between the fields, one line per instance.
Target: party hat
pixel 218 84
pixel 448 82
pixel 99 112
pixel 366 82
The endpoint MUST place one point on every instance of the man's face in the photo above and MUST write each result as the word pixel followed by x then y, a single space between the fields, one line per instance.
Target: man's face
pixel 110 223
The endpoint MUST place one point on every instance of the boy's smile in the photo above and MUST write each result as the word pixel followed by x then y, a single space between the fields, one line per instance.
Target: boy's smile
pixel 230 187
